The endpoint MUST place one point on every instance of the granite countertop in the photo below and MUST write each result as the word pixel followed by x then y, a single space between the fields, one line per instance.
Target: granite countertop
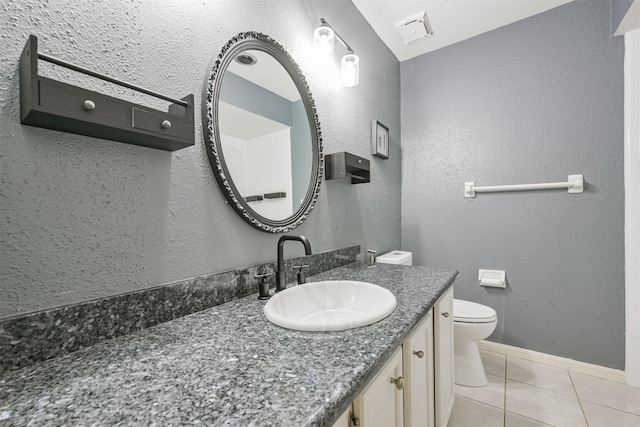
pixel 227 365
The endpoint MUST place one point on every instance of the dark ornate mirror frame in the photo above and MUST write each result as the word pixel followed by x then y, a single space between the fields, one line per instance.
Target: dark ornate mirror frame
pixel 210 98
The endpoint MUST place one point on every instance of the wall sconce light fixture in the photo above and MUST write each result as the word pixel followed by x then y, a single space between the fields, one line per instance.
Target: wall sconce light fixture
pixel 324 38
pixel 323 41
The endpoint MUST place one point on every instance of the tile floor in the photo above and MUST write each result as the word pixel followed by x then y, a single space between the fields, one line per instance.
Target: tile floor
pixel 521 393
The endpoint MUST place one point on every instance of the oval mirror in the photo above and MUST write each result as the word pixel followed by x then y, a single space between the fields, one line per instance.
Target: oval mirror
pixel 262 133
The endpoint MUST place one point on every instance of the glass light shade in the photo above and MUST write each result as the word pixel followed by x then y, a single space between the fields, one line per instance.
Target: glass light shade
pixel 324 42
pixel 350 69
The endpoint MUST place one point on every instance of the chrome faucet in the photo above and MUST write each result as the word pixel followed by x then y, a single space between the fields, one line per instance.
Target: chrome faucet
pixel 281 280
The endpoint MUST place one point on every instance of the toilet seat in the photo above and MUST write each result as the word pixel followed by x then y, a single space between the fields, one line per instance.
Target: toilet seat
pixel 471 312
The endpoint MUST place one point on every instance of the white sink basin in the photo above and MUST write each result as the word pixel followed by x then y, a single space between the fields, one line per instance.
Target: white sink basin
pixel 333 305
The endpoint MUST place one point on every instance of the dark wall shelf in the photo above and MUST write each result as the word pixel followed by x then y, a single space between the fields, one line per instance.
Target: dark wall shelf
pixel 51 104
pixel 277 195
pixel 346 165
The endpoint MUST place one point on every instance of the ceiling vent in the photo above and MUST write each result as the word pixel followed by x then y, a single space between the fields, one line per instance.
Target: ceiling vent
pixel 415 28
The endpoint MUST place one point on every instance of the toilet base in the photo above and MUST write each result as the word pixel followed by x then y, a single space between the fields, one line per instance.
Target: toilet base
pixel 468 367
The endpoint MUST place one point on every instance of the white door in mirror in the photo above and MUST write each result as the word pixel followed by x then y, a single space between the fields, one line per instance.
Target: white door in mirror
pixel 334 305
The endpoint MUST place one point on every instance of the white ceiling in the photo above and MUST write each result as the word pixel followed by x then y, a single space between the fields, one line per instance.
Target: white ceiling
pixel 631 20
pixel 452 20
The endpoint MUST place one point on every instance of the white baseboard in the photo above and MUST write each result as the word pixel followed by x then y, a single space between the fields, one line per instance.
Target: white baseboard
pixel 557 361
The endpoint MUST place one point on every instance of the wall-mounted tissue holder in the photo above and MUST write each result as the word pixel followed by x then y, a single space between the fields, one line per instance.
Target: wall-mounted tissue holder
pixel 492 278
pixel 347 165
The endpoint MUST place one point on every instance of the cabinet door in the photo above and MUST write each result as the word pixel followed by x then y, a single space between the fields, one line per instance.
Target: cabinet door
pixel 443 343
pixel 380 404
pixel 343 421
pixel 419 376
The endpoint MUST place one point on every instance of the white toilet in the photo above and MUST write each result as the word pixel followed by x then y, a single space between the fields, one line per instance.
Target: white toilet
pixel 472 322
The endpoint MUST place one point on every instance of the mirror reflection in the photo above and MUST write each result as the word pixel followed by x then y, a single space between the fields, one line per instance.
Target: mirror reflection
pixel 262 133
pixel 265 136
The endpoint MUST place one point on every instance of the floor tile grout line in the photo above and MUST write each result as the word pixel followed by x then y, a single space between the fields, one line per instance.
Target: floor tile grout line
pixel 542 388
pixel 609 407
pixel 523 382
pixel 534 419
pixel 516 413
pixel 604 405
pixel 569 372
pixel 479 401
pixel 578 397
pixel 549 364
pixel 527 417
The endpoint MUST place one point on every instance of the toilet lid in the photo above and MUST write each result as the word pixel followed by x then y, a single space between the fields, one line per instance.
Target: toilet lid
pixel 471 312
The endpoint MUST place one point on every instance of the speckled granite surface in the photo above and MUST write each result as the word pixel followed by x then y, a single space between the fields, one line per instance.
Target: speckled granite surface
pixel 44 335
pixel 223 366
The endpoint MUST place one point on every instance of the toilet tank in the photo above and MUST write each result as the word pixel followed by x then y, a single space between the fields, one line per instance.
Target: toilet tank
pixel 396 257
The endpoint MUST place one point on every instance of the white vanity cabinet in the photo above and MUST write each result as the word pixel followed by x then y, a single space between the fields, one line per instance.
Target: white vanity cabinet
pixel 415 387
pixel 381 402
pixel 344 419
pixel 429 379
pixel 419 402
pixel 443 346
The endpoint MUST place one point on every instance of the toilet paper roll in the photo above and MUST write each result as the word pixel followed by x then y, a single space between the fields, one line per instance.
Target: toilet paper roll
pixel 496 283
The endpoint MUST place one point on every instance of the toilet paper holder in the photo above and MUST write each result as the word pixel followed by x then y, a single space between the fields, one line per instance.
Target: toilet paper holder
pixel 492 278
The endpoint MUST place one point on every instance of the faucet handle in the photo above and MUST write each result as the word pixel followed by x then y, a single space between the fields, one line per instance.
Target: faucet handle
pixel 302 278
pixel 263 286
pixel 371 257
pixel 263 276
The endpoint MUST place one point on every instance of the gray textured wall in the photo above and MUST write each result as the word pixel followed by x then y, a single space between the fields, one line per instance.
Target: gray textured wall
pixel 531 102
pixel 84 218
pixel 251 97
